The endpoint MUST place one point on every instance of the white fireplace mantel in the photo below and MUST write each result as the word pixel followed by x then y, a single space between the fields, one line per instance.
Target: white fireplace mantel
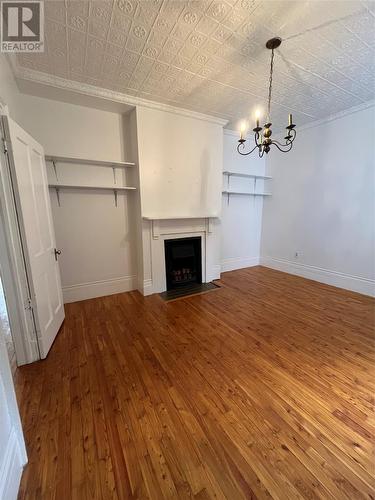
pixel 160 228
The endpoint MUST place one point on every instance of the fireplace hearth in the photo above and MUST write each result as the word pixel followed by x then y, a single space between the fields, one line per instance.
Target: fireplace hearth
pixel 183 262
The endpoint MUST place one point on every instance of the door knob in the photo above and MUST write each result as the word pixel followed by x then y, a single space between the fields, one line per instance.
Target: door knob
pixel 57 252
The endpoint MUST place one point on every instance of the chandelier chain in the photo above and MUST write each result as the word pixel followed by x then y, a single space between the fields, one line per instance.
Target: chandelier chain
pixel 270 87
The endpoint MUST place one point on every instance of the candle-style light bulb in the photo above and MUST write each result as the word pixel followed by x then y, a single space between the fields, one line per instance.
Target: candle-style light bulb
pixel 242 130
pixel 290 119
pixel 257 116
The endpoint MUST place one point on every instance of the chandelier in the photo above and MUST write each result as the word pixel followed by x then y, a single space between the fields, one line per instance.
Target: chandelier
pixel 262 135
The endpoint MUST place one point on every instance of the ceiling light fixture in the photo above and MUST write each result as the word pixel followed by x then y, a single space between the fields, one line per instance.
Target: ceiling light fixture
pixel 262 135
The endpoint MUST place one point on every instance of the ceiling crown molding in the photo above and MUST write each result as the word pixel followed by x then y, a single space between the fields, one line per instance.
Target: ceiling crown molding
pixel 111 95
pixel 232 132
pixel 337 116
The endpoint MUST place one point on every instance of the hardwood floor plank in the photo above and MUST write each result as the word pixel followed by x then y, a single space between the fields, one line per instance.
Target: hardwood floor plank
pixel 263 389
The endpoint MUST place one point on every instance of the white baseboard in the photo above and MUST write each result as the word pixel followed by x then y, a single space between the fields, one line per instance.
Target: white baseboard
pixel 334 278
pixel 11 469
pixel 214 274
pixel 83 291
pixel 238 263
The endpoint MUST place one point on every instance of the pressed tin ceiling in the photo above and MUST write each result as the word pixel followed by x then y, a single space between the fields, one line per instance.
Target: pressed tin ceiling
pixel 209 55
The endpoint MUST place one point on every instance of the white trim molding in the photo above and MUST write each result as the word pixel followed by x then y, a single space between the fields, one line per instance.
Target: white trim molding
pixel 232 132
pixel 238 263
pixel 159 280
pixel 148 287
pixel 357 284
pixel 110 95
pixel 11 469
pixel 213 273
pixel 337 116
pixel 84 291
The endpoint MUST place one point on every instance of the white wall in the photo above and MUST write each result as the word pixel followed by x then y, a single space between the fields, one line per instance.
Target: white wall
pixel 9 93
pixel 8 88
pixel 323 204
pixel 180 168
pixel 180 162
pixel 97 239
pixel 241 220
pixel 71 130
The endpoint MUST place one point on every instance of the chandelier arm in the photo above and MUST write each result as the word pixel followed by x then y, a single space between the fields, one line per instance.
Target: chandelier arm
pixel 274 141
pixel 289 141
pixel 261 152
pixel 279 147
pixel 249 152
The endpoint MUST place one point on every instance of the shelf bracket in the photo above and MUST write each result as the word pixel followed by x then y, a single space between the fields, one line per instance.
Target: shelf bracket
pixel 58 196
pixel 255 185
pixel 114 174
pixel 55 170
pixel 115 194
pixel 228 196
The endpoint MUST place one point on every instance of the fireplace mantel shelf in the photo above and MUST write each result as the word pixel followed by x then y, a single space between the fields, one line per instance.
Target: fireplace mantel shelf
pixel 156 221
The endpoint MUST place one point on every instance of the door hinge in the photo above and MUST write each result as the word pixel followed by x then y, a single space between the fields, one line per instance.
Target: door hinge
pixel 29 304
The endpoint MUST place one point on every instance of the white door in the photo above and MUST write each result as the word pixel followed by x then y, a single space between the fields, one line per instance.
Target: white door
pixel 30 185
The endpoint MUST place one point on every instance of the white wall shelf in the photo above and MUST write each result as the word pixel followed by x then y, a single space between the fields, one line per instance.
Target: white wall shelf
pixel 242 193
pixel 249 176
pixel 82 161
pixel 163 217
pixel 57 186
pixel 85 186
pixel 254 177
pixel 246 193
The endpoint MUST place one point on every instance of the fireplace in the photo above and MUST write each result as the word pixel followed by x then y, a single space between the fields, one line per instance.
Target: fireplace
pixel 183 262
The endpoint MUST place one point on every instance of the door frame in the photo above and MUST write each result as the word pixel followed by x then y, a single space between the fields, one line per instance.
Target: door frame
pixel 13 265
pixel 13 455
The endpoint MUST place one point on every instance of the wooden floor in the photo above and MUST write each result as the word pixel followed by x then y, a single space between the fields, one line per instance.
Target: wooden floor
pixel 262 389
